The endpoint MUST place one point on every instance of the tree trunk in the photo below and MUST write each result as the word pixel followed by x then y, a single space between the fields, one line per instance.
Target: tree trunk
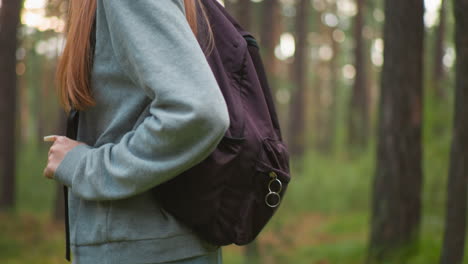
pixel 244 14
pixel 241 10
pixel 455 220
pixel 327 74
pixel 230 6
pixel 396 208
pixel 270 33
pixel 359 108
pixel 334 84
pixel 59 205
pixel 439 72
pixel 9 21
pixel 40 105
pixel 319 89
pixel 297 114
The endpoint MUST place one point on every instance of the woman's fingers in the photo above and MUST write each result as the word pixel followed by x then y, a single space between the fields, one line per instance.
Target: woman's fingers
pixel 48 173
pixel 50 138
pixel 61 146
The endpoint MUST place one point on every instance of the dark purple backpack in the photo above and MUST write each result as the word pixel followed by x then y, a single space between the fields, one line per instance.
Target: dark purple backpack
pixel 231 195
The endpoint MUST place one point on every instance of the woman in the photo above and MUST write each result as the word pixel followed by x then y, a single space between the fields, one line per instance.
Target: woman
pixel 150 108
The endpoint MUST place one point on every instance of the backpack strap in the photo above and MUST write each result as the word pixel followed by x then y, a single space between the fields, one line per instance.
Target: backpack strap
pixel 72 125
pixel 262 77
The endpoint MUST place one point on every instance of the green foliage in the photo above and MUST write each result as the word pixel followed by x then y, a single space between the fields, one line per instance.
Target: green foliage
pixel 330 184
pixel 30 238
pixel 35 192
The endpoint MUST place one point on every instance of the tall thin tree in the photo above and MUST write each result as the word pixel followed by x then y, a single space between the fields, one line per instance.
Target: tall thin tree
pixel 439 48
pixel 9 22
pixel 244 13
pixel 230 6
pixel 396 204
pixel 327 85
pixel 270 33
pixel 359 104
pixel 455 219
pixel 299 72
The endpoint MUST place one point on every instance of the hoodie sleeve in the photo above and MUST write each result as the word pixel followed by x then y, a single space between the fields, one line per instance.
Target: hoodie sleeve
pixel 188 117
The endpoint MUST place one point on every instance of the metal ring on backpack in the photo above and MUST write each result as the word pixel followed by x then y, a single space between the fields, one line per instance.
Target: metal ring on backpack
pixel 268 203
pixel 280 185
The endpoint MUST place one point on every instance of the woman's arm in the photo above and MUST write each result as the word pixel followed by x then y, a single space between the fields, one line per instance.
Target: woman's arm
pixel 156 47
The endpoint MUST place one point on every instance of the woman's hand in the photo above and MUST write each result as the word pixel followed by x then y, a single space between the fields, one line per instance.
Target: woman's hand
pixel 57 152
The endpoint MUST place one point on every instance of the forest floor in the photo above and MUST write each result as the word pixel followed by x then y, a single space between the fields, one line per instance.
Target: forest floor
pixel 309 238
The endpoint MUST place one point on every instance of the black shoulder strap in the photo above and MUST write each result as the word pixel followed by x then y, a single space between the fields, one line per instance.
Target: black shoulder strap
pixel 71 132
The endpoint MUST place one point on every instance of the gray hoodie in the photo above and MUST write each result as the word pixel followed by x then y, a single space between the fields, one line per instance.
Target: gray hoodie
pixel 159 111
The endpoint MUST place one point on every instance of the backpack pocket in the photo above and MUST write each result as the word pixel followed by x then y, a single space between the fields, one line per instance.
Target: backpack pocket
pixel 270 181
pixel 272 175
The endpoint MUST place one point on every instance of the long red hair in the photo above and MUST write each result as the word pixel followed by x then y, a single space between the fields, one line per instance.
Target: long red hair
pixel 75 64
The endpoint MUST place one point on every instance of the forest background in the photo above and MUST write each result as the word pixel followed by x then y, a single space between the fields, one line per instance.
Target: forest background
pixel 371 97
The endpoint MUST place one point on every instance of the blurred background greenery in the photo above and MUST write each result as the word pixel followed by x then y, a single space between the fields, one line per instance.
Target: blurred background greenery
pixel 325 62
